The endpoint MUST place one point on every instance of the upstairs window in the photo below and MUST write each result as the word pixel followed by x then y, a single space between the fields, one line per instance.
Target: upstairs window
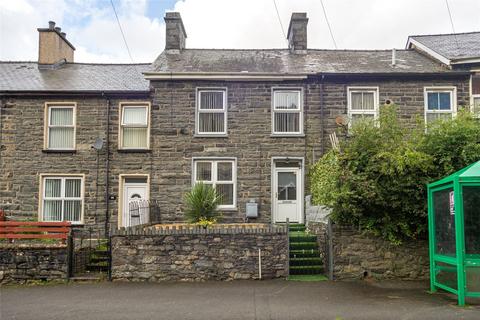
pixel 60 127
pixel 362 103
pixel 476 95
pixel 211 116
pixel 62 198
pixel 134 126
pixel 440 103
pixel 287 112
pixel 221 175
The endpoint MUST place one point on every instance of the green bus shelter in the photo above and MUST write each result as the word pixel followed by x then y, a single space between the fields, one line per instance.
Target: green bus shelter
pixel 454 233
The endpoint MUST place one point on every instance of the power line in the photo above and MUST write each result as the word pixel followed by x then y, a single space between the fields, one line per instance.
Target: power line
pixel 451 22
pixel 328 24
pixel 279 20
pixel 121 30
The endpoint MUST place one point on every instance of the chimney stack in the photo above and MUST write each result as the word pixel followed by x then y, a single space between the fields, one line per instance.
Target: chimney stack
pixel 53 46
pixel 175 32
pixel 297 32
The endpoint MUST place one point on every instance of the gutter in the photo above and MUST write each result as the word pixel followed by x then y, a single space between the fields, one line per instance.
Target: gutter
pixel 225 76
pixel 92 93
pixel 257 76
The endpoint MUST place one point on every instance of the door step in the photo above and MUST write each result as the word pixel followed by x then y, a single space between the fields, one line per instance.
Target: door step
pixel 304 256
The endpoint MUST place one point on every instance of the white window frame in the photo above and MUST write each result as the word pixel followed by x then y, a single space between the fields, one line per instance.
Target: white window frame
pixel 198 110
pixel 122 125
pixel 440 89
pixel 362 89
pixel 473 97
pixel 62 177
pixel 214 181
pixel 59 105
pixel 298 110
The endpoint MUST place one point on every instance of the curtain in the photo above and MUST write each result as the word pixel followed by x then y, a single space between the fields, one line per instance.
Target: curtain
pixel 211 100
pixel 226 192
pixel 286 100
pixel 135 128
pixel 211 122
pixel 368 101
pixel 287 122
pixel 357 101
pixel 134 137
pixel 204 171
pixel 61 130
pixel 224 171
pixel 135 115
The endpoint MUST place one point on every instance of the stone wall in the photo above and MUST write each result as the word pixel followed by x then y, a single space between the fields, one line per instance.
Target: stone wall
pixel 20 263
pixel 356 256
pixel 200 254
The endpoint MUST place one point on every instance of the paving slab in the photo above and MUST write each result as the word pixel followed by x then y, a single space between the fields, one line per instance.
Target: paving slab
pixel 268 299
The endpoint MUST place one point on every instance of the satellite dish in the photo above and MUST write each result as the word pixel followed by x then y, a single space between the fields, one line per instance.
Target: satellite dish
pixel 340 121
pixel 98 145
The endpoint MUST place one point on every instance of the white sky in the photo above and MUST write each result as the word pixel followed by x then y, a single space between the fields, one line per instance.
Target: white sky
pixel 91 26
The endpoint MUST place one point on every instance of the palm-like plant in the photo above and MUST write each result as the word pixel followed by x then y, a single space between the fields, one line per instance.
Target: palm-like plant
pixel 201 203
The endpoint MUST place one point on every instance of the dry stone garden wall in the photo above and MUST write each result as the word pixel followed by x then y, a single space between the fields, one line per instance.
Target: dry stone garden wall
pixel 199 254
pixel 22 263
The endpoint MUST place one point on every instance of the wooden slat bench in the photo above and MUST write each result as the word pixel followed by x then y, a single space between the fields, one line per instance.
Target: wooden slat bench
pixel 34 230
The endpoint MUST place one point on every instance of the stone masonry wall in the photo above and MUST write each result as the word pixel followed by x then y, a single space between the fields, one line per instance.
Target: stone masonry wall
pixel 174 144
pixel 356 256
pixel 196 255
pixel 20 263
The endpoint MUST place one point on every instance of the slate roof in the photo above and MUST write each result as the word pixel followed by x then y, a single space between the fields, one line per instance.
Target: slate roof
pixel 452 46
pixel 82 77
pixel 284 62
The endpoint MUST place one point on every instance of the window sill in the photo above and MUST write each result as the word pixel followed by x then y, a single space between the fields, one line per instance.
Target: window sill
pixel 293 135
pixel 201 135
pixel 134 150
pixel 228 209
pixel 58 151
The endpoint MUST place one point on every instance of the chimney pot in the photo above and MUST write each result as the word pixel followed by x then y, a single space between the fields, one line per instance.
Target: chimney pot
pixel 51 25
pixel 175 34
pixel 63 34
pixel 297 32
pixel 58 29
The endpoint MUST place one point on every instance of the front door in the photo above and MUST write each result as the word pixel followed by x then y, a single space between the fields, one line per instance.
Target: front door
pixel 134 196
pixel 287 195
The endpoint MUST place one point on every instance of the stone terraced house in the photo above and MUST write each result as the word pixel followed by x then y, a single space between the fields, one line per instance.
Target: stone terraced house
pixel 79 141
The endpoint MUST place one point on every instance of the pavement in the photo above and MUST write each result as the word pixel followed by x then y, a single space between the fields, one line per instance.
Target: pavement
pixel 268 299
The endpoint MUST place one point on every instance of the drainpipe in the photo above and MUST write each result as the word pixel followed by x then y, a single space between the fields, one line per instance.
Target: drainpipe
pixel 322 120
pixel 107 171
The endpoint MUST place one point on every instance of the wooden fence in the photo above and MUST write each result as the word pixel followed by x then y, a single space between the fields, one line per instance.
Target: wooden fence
pixel 34 230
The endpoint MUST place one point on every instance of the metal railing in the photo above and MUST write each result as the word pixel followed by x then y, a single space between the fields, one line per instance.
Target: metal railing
pixel 142 212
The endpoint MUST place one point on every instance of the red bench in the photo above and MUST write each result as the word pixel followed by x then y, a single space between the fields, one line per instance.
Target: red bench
pixel 34 230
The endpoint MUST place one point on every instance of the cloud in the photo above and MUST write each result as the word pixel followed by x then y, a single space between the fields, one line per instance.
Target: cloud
pixel 92 28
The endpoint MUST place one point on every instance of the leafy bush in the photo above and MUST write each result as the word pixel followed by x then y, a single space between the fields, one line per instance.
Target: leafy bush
pixel 201 203
pixel 378 180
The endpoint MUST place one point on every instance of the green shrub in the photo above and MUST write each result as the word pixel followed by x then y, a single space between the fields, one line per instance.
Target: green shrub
pixel 201 203
pixel 377 181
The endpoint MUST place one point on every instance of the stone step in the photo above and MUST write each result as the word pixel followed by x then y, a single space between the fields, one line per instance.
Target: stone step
pixel 315 269
pixel 297 228
pixel 99 266
pixel 302 253
pixel 311 261
pixel 302 237
pixel 303 245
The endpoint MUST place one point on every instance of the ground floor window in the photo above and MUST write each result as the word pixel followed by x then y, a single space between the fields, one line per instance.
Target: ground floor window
pixel 221 175
pixel 62 198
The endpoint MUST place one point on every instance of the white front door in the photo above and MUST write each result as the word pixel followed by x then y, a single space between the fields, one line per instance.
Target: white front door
pixel 287 195
pixel 134 204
